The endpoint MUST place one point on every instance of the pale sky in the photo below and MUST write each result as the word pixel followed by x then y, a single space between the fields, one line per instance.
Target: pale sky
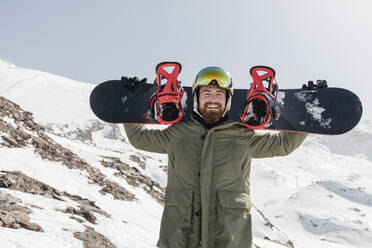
pixel 95 40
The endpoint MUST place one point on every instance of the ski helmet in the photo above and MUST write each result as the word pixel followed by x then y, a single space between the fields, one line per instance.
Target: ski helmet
pixel 211 75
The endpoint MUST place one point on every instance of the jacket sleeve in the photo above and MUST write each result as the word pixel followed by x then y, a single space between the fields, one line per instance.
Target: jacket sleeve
pixel 275 144
pixel 150 140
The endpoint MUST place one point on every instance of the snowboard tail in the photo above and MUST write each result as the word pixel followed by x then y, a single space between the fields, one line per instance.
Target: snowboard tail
pixel 323 111
pixel 113 102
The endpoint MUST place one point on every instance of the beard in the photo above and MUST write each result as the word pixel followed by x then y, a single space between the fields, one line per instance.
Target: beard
pixel 211 115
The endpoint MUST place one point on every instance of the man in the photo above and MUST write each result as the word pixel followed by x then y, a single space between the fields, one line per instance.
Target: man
pixel 207 200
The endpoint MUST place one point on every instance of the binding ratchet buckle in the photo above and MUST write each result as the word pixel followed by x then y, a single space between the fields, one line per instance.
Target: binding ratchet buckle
pixel 167 103
pixel 261 105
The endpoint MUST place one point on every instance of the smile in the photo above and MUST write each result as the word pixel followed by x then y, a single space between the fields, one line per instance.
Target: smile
pixel 213 107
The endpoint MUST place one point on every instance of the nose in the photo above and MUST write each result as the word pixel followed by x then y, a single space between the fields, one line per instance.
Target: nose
pixel 214 97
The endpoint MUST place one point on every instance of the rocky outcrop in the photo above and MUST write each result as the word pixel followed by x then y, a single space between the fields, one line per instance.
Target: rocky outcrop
pixel 17 129
pixel 86 205
pixel 12 215
pixel 11 118
pixel 140 160
pixel 16 180
pixel 82 212
pixel 134 177
pixel 93 239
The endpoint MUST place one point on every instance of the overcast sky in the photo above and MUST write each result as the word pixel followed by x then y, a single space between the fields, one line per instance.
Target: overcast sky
pixel 96 40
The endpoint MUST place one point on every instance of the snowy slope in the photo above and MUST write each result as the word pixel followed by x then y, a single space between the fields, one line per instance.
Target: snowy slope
pixel 51 98
pixel 319 196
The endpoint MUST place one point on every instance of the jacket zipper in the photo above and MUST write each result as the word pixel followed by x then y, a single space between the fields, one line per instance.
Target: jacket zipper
pixel 203 136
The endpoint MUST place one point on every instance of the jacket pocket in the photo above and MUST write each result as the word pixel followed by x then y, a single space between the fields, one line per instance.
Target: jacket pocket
pixel 177 218
pixel 234 200
pixel 233 219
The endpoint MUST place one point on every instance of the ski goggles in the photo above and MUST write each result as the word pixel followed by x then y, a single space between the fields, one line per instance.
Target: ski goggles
pixel 210 74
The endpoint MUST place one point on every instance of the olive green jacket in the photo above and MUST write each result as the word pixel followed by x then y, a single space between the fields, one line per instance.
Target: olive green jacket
pixel 207 197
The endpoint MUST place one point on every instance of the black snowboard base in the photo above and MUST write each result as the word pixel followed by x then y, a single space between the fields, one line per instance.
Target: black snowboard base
pixel 324 111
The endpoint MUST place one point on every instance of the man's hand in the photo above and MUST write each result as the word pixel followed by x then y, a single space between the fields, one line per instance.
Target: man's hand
pixel 132 82
pixel 318 85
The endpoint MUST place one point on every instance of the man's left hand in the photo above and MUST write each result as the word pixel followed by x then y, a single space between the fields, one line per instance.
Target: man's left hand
pixel 318 85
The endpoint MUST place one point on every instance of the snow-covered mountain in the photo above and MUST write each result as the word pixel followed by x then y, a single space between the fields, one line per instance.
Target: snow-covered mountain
pixel 69 180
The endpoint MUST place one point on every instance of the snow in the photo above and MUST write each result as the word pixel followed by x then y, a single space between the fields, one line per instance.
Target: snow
pixel 142 217
pixel 319 196
pixel 9 121
pixel 319 199
pixel 280 97
pixel 314 109
pixel 53 99
pixel 52 221
pixel 316 112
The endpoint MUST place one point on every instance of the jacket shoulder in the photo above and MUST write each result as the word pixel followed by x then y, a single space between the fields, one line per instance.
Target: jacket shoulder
pixel 186 127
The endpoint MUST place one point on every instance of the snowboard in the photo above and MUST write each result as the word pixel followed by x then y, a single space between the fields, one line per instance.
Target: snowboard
pixel 329 111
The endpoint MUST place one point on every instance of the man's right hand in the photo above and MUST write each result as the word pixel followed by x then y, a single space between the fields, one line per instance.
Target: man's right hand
pixel 318 85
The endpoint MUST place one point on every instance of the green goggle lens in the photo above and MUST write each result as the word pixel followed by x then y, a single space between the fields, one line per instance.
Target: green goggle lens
pixel 210 74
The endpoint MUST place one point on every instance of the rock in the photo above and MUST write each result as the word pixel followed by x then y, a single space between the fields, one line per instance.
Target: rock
pixel 93 239
pixel 87 204
pixel 85 213
pixel 117 191
pixel 138 160
pixel 32 227
pixel 10 141
pixel 134 177
pixel 22 128
pixel 77 219
pixel 7 219
pixel 88 215
pixel 39 143
pixel 16 180
pixel 15 216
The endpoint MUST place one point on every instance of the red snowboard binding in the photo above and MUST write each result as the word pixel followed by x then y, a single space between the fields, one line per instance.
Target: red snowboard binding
pixel 166 105
pixel 261 104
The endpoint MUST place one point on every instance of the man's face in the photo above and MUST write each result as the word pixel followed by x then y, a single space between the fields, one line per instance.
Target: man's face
pixel 212 103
